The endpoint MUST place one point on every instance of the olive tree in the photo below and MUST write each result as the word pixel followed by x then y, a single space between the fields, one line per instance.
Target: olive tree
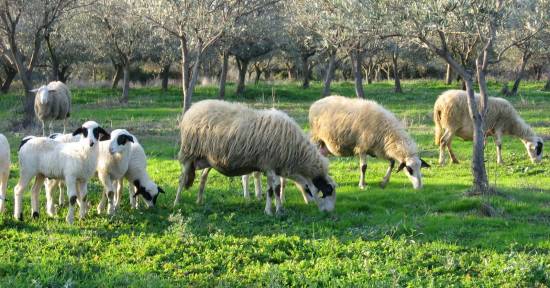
pixel 23 27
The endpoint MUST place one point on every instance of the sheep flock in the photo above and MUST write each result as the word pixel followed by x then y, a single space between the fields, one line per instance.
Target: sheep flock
pixel 237 140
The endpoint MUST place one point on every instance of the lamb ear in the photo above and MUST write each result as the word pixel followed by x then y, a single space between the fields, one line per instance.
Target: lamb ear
pixel 539 147
pixel 129 138
pixel 401 166
pixel 103 134
pixel 424 164
pixel 80 130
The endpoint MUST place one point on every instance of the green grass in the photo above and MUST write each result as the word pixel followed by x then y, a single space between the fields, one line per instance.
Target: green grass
pixel 376 237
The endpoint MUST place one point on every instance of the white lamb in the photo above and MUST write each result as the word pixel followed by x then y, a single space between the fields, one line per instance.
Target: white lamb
pixel 4 170
pixel 140 184
pixel 114 156
pixel 75 163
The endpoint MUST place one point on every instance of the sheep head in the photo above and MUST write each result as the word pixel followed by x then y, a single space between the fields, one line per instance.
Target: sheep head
pixel 534 146
pixel 412 167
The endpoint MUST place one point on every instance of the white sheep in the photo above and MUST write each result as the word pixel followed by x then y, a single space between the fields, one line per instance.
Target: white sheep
pixel 112 165
pixel 4 170
pixel 52 102
pixel 51 184
pixel 452 118
pixel 346 127
pixel 75 163
pixel 140 184
pixel 237 140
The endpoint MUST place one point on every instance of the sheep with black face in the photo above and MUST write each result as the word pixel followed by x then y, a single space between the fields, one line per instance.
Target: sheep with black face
pixel 114 157
pixel 237 140
pixel 75 163
pixel 346 127
pixel 140 184
pixel 452 118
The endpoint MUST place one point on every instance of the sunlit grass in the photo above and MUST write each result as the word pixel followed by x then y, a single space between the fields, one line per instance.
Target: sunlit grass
pixel 376 237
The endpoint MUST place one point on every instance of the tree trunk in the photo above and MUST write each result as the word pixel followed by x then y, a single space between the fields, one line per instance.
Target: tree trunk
pixel 193 80
pixel 223 76
pixel 397 81
pixel 117 76
pixel 547 85
pixel 185 73
pixel 126 83
pixel 258 72
pixel 357 59
pixel 521 73
pixel 449 75
pixel 10 75
pixel 329 73
pixel 242 65
pixel 305 70
pixel 165 75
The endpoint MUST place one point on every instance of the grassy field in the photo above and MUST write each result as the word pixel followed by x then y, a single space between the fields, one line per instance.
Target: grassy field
pixel 376 237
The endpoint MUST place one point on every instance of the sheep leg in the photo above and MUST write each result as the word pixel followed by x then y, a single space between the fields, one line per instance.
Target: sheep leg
pixel 386 178
pixel 274 188
pixel 258 184
pixel 498 142
pixel 244 180
pixel 204 177
pixel 18 196
pixel 282 192
pixel 118 188
pixel 50 127
pixel 50 185
pixel 65 125
pixel 35 195
pixel 61 200
pixel 132 190
pixel 83 198
pixel 43 128
pixel 3 190
pixel 184 179
pixel 451 153
pixel 72 194
pixel 363 169
pixel 442 146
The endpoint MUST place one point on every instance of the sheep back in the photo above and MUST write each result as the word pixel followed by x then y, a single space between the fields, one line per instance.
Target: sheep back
pixel 351 126
pixel 238 140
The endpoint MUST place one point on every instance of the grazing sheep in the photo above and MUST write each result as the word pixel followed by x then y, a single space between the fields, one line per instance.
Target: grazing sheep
pixel 75 163
pixel 112 165
pixel 140 184
pixel 4 170
pixel 451 117
pixel 347 127
pixel 52 102
pixel 237 140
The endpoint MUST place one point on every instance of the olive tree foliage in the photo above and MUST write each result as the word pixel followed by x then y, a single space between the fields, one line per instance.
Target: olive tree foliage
pixel 347 25
pixel 197 25
pixel 65 46
pixel 431 23
pixel 23 27
pixel 121 36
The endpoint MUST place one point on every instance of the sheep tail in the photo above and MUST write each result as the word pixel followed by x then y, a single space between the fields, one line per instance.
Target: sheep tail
pixel 437 121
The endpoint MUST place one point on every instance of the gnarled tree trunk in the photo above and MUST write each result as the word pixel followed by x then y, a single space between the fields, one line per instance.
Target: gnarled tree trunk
pixel 357 60
pixel 397 81
pixel 329 73
pixel 223 74
pixel 126 83
pixel 242 66
pixel 165 75
pixel 449 75
pixel 521 72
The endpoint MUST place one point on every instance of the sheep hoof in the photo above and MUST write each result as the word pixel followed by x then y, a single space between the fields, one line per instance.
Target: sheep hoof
pixel 280 212
pixel 35 215
pixel 361 186
pixel 70 220
pixel 268 212
pixel 199 202
pixel 19 217
pixel 383 185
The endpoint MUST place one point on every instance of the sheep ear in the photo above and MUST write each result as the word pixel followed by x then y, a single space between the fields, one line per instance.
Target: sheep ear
pixel 538 149
pixel 161 191
pixel 129 138
pixel 80 130
pixel 401 166
pixel 424 164
pixel 103 135
pixel 34 90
